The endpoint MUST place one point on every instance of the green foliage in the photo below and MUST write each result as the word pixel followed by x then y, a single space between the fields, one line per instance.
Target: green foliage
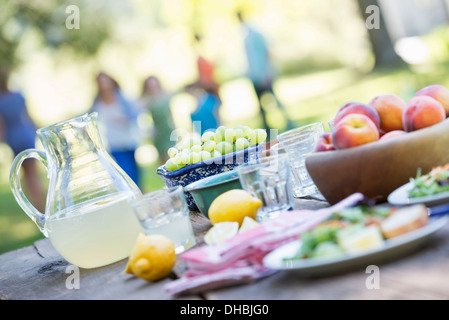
pixel 46 20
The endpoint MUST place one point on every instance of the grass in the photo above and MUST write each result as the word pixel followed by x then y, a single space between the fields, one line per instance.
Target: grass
pixel 307 98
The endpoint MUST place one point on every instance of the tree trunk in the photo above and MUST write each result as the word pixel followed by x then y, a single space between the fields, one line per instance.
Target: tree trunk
pixel 381 42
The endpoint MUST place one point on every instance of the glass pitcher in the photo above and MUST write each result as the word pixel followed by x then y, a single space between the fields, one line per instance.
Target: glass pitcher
pixel 88 216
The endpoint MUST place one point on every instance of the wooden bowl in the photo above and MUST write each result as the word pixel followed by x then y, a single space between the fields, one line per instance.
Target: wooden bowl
pixel 378 168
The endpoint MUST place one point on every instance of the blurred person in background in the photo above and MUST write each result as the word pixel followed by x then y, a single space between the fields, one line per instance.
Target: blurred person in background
pixel 206 114
pixel 206 70
pixel 117 119
pixel 156 101
pixel 18 130
pixel 259 67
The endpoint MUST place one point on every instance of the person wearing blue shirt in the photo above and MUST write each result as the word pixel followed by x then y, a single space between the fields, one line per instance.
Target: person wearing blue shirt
pixel 259 67
pixel 206 115
pixel 18 130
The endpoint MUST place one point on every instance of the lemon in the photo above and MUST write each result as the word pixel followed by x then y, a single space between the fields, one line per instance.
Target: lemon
pixel 152 257
pixel 220 232
pixel 248 223
pixel 233 206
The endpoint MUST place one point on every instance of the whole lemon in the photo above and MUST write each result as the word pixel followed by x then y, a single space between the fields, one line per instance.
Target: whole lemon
pixel 233 206
pixel 152 257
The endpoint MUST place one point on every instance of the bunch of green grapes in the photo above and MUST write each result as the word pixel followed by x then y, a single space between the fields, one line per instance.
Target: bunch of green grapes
pixel 212 145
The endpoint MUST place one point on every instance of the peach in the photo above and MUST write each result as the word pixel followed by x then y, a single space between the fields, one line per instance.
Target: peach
pixel 359 108
pixel 390 108
pixel 438 92
pixel 421 112
pixel 324 143
pixel 392 134
pixel 347 104
pixel 353 130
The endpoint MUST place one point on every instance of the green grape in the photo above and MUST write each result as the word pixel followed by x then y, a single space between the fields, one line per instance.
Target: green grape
pixel 219 136
pixel 184 146
pixel 170 166
pixel 261 135
pixel 208 135
pixel 176 159
pixel 193 141
pixel 221 131
pixel 238 133
pixel 194 157
pixel 224 147
pixel 252 138
pixel 181 165
pixel 190 142
pixel 204 155
pixel 229 135
pixel 185 157
pixel 172 152
pixel 216 154
pixel 209 146
pixel 196 148
pixel 247 131
pixel 241 143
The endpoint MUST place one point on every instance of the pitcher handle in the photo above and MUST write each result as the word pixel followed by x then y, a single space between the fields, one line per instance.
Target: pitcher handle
pixel 16 188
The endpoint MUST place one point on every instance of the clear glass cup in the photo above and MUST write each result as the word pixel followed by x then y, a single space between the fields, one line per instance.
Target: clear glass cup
pixel 315 128
pixel 166 212
pixel 298 147
pixel 277 149
pixel 267 180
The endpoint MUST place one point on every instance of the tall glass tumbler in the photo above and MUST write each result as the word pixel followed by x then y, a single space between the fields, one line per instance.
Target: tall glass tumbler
pixel 311 128
pixel 166 212
pixel 277 149
pixel 298 146
pixel 267 180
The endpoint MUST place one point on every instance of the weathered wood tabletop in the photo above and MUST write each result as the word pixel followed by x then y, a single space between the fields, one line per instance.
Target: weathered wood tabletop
pixel 39 272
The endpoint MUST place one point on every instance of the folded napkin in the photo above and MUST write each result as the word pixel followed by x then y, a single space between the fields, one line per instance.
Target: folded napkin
pixel 239 259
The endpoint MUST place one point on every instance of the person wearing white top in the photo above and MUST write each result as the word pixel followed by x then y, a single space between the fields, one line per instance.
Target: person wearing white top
pixel 117 119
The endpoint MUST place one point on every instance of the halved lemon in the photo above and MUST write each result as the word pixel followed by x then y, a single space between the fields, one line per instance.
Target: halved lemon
pixel 247 224
pixel 220 232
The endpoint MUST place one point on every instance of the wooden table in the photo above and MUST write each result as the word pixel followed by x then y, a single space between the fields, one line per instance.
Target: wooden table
pixel 39 272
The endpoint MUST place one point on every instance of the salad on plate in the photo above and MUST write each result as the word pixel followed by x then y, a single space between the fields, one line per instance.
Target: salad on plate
pixel 359 229
pixel 434 182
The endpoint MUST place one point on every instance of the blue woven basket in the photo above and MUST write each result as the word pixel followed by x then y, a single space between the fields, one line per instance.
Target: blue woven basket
pixel 197 171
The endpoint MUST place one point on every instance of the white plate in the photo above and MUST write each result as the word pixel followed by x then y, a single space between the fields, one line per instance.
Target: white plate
pixel 400 197
pixel 393 248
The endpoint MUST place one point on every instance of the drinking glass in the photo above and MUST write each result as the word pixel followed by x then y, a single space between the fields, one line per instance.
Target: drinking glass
pixel 277 149
pixel 299 145
pixel 268 181
pixel 312 128
pixel 166 212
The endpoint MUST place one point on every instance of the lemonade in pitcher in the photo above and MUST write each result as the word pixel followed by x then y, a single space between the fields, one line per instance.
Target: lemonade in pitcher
pixel 88 216
pixel 97 233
